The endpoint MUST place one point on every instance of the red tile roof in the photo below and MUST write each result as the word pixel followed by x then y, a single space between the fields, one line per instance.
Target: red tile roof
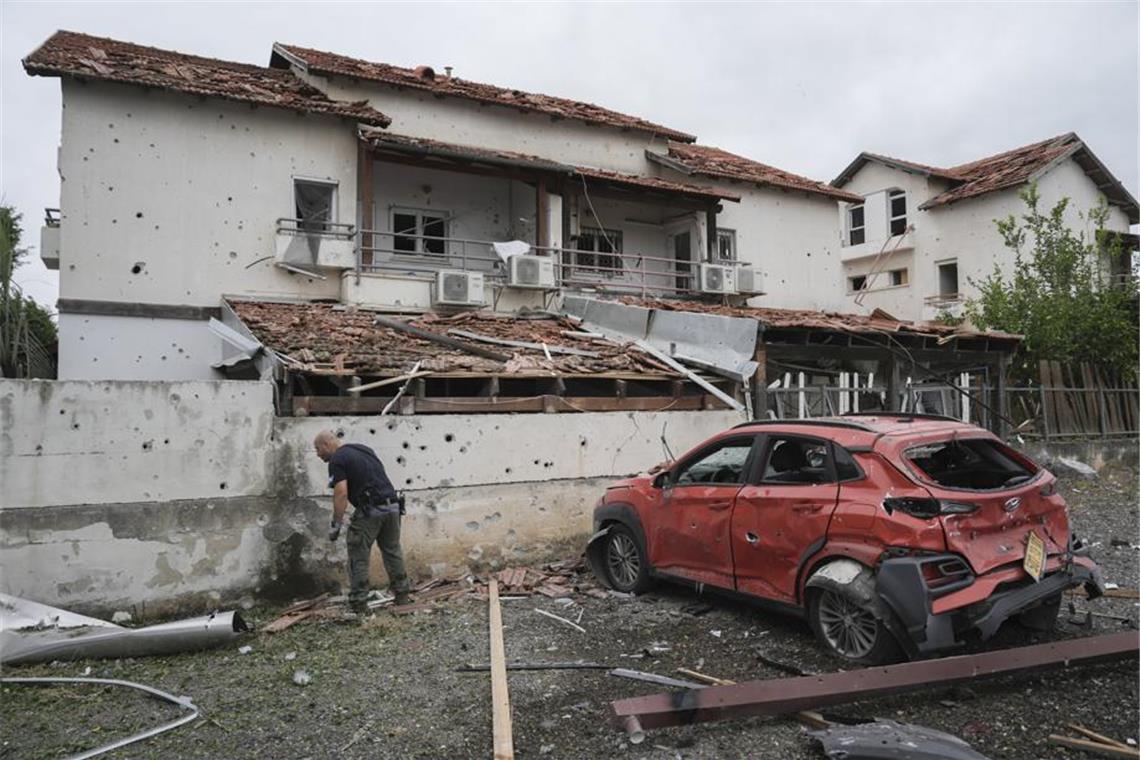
pixel 1009 169
pixel 714 162
pixel 312 333
pixel 381 140
pixel 424 78
pixel 877 322
pixel 81 55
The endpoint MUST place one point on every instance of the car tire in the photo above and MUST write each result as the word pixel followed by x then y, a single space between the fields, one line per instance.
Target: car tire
pixel 624 561
pixel 1043 617
pixel 848 629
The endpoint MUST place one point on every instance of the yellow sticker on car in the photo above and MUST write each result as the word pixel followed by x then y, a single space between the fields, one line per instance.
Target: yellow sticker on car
pixel 1034 563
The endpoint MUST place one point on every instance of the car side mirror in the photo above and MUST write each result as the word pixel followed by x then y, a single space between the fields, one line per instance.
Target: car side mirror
pixel 662 480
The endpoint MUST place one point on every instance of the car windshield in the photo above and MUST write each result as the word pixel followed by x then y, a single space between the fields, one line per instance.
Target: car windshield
pixel 974 464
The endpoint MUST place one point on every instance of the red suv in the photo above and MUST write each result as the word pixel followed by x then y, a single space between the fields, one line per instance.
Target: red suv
pixel 893 534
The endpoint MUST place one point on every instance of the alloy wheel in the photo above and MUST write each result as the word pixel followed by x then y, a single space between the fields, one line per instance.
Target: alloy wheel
pixel 848 628
pixel 623 560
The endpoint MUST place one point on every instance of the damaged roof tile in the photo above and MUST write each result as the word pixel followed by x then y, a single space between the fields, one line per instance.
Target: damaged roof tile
pixel 81 55
pixel 327 333
pixel 424 78
pixel 714 162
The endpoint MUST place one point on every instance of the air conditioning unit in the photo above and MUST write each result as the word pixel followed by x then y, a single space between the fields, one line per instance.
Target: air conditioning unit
pixel 455 288
pixel 749 281
pixel 717 278
pixel 531 271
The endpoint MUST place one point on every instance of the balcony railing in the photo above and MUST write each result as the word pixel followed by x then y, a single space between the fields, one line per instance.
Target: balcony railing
pixel 626 272
pixel 944 300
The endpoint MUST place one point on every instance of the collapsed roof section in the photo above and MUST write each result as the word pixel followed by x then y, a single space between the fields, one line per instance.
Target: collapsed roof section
pixel 424 78
pixel 1008 169
pixel 98 58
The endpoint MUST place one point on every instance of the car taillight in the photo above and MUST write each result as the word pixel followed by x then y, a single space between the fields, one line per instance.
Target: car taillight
pixel 943 572
pixel 1049 488
pixel 927 508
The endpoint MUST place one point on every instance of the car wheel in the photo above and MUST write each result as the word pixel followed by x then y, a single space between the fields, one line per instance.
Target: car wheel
pixel 625 563
pixel 849 629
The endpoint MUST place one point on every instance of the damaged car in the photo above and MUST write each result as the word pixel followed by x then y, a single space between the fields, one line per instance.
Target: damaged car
pixel 896 536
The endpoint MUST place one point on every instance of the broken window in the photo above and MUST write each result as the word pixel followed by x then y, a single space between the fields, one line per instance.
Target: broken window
pixel 978 464
pixel 845 466
pixel 726 244
pixel 420 232
pixel 599 251
pixel 315 204
pixel 793 460
pixel 897 199
pixel 855 225
pixel 948 279
pixel 898 277
pixel 857 283
pixel 724 464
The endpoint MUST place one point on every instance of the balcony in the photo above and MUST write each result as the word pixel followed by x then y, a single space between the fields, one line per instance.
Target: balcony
pixel 944 305
pixel 49 239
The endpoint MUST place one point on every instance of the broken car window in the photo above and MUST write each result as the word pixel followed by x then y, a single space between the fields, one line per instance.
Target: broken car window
pixel 975 464
pixel 797 460
pixel 724 465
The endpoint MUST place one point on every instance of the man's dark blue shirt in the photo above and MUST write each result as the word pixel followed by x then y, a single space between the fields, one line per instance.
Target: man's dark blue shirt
pixel 368 484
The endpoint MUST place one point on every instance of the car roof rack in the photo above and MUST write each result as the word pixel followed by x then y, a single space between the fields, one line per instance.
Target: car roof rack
pixel 904 415
pixel 818 421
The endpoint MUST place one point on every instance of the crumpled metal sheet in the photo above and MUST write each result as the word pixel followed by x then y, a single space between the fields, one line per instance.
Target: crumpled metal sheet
pixel 890 740
pixel 34 632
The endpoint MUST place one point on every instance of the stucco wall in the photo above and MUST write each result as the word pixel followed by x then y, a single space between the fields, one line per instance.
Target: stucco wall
pixel 99 347
pixel 159 495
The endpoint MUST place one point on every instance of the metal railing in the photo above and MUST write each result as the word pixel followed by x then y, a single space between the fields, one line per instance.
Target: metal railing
pixel 51 217
pixel 338 230
pixel 944 300
pixel 625 272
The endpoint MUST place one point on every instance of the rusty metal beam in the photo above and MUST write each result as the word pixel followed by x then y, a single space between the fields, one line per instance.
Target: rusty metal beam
pixel 789 695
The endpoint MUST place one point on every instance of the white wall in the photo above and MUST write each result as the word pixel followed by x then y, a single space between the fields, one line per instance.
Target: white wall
pixel 97 347
pixel 464 122
pixel 188 189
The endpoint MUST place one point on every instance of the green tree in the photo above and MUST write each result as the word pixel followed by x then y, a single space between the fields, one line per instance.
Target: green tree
pixel 1058 295
pixel 27 332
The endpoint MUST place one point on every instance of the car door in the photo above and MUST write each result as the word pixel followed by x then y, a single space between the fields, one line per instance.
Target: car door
pixel 782 514
pixel 690 533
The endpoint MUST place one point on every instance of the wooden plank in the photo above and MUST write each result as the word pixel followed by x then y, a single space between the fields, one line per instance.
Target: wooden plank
pixel 500 698
pixel 387 381
pixel 306 405
pixel 1095 736
pixel 523 344
pixel 443 340
pixel 1093 748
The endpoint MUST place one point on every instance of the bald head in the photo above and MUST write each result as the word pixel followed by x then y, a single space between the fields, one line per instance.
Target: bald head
pixel 325 444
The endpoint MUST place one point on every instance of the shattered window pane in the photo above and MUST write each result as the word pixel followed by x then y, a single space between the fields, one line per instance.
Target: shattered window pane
pixel 404 232
pixel 797 461
pixel 314 203
pixel 724 465
pixel 435 229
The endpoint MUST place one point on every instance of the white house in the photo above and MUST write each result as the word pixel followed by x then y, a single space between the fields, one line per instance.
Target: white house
pixel 920 234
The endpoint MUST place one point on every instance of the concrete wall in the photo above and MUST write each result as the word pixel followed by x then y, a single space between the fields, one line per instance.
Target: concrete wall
pixel 159 495
pixel 100 347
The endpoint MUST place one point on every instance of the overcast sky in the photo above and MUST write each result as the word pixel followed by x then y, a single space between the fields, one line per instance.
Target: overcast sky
pixel 800 86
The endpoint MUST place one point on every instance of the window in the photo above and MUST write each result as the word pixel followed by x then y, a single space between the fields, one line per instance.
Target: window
pixel 845 466
pixel 898 277
pixel 797 460
pixel 897 199
pixel 725 464
pixel 419 232
pixel 977 464
pixel 314 204
pixel 948 279
pixel 599 251
pixel 726 244
pixel 855 225
pixel 857 283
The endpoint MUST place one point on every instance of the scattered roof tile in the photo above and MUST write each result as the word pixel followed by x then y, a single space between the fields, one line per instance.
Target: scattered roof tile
pixel 714 162
pixel 877 322
pixel 404 143
pixel 326 332
pixel 82 55
pixel 424 78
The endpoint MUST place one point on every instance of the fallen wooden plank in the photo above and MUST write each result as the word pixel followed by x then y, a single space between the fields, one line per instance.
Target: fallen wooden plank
pixel 638 675
pixel 523 344
pixel 551 615
pixel 1111 593
pixel 1097 737
pixel 468 668
pixel 1093 748
pixel 503 742
pixel 807 717
pixel 287 621
pixel 418 332
pixel 409 609
pixel 388 381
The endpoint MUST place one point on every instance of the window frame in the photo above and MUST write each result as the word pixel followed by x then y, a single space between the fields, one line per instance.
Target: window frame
pixel 418 236
pixel 957 277
pixel 851 283
pixel 892 217
pixel 905 277
pixel 730 235
pixel 598 234
pixel 761 463
pixel 329 225
pixel 747 474
pixel 852 229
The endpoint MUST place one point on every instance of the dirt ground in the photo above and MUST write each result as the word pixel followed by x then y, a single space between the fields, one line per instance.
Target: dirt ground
pixel 389 688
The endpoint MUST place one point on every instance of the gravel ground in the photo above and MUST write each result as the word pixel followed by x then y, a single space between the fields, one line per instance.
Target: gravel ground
pixel 388 687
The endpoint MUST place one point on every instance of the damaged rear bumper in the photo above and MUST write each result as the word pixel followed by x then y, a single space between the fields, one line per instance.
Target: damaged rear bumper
pixel 931 622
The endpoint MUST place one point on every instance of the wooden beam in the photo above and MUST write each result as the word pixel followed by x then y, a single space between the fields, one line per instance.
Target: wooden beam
pixel 500 698
pixel 760 381
pixel 365 191
pixel 1094 748
pixel 306 405
pixel 395 324
pixel 387 381
pixel 543 207
pixel 710 224
pixel 523 344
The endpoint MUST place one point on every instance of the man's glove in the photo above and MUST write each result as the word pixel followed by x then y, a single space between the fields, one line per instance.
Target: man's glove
pixel 334 531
